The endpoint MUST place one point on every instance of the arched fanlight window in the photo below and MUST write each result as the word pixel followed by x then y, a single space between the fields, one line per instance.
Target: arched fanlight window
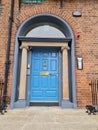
pixel 45 31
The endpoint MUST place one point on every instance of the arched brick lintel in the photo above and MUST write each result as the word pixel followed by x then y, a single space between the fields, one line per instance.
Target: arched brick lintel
pixel 29 22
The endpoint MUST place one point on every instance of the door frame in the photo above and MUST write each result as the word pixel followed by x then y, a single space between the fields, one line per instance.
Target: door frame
pixel 63 46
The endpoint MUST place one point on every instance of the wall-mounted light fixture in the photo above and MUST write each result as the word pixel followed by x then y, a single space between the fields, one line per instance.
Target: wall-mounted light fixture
pixel 77 13
pixel 79 63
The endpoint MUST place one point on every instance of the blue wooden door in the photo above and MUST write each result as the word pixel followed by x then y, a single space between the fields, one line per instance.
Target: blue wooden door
pixel 44 75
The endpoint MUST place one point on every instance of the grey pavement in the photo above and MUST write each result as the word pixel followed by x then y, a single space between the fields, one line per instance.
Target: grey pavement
pixel 48 118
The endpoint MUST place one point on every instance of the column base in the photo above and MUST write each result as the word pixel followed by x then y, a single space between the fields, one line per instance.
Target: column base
pixel 67 104
pixel 20 103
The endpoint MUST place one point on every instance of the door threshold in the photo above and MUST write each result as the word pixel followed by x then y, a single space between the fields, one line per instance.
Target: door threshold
pixel 44 103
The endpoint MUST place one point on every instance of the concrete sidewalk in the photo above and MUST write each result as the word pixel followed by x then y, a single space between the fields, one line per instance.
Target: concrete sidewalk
pixel 48 118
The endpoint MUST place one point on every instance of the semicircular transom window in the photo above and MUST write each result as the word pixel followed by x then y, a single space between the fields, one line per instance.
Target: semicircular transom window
pixel 45 31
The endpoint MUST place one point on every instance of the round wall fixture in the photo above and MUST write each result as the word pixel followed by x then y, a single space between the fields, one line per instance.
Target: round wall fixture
pixel 77 13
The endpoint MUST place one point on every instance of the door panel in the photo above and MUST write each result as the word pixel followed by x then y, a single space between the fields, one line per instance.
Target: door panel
pixel 44 75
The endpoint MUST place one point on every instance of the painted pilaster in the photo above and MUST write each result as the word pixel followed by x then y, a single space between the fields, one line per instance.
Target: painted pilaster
pixel 65 72
pixel 22 86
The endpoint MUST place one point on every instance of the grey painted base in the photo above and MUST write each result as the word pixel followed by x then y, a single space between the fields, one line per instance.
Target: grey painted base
pixel 20 104
pixel 67 104
pixel 23 104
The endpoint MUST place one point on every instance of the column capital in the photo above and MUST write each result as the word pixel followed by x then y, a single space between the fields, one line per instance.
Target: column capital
pixel 65 47
pixel 23 46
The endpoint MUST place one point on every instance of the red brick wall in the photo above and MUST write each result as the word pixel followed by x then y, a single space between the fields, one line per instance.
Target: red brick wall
pixel 4 14
pixel 86 46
